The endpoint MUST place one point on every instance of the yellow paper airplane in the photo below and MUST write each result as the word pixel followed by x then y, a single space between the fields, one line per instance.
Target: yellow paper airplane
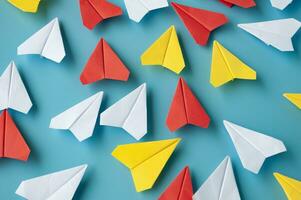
pixel 145 160
pixel 294 98
pixel 26 5
pixel 291 187
pixel 165 51
pixel 226 67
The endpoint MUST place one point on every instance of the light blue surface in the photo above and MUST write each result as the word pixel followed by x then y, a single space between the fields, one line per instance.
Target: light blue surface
pixel 258 105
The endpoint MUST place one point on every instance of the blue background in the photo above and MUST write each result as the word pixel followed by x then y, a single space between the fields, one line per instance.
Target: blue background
pixel 258 105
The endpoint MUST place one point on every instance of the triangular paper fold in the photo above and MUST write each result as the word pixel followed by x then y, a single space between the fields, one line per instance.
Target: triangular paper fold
pixel 26 5
pixel 240 3
pixel 290 186
pixel 295 98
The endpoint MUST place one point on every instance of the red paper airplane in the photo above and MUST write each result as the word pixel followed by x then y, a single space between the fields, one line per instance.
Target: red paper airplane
pixel 104 64
pixel 199 22
pixel 12 143
pixel 180 188
pixel 186 109
pixel 240 3
pixel 95 11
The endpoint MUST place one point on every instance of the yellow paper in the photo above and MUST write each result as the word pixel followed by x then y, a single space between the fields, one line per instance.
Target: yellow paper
pixel 26 5
pixel 291 187
pixel 145 160
pixel 227 67
pixel 294 98
pixel 165 51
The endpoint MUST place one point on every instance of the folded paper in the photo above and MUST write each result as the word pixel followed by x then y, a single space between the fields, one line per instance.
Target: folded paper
pixel 129 113
pixel 253 147
pixel 240 3
pixel 104 64
pixel 165 51
pixel 145 160
pixel 26 5
pixel 281 4
pixel 47 42
pixel 186 109
pixel 290 186
pixel 79 119
pixel 295 98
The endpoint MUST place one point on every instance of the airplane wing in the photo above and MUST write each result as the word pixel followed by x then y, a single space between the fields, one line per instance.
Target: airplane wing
pixel 277 33
pixel 47 42
pixel 13 92
pixel 79 119
pixel 294 98
pixel 226 67
pixel 199 22
pixel 104 64
pixel 12 144
pixel 240 3
pixel 95 11
pixel 180 188
pixel 253 147
pixel 137 9
pixel 57 185
pixel 145 160
pixel 290 186
pixel 165 51
pixel 186 109
pixel 220 185
pixel 129 113
pixel 26 5
pixel 281 4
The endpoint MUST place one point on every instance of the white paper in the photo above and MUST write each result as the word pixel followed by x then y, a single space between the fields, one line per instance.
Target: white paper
pixel 13 92
pixel 281 4
pixel 47 42
pixel 277 33
pixel 59 185
pixel 79 119
pixel 220 185
pixel 129 113
pixel 253 147
pixel 137 9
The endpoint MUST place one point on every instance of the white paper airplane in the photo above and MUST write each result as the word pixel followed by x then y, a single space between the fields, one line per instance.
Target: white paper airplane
pixel 59 185
pixel 79 119
pixel 253 147
pixel 47 42
pixel 220 185
pixel 13 92
pixel 277 33
pixel 281 4
pixel 137 9
pixel 129 113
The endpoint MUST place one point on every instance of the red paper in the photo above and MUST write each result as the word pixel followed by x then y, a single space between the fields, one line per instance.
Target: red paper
pixel 180 188
pixel 186 109
pixel 240 3
pixel 199 22
pixel 12 143
pixel 95 11
pixel 104 64
pixel 226 3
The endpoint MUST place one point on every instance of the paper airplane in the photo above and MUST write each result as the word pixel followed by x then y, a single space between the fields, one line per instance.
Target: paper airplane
pixel 220 185
pixel 137 9
pixel 294 98
pixel 180 188
pixel 291 187
pixel 281 4
pixel 95 11
pixel 26 5
pixel 165 51
pixel 240 3
pixel 253 147
pixel 129 113
pixel 80 119
pixel 226 67
pixel 12 143
pixel 13 92
pixel 47 42
pixel 199 22
pixel 145 160
pixel 104 64
pixel 277 33
pixel 54 186
pixel 186 109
